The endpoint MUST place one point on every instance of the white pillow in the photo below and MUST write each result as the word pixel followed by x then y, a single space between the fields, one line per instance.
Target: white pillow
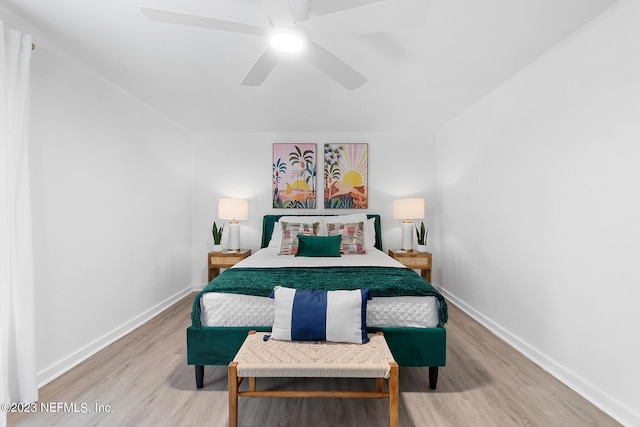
pixel 370 234
pixel 319 315
pixel 369 226
pixel 276 236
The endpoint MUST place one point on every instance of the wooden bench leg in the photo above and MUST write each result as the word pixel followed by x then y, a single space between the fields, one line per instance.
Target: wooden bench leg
pixel 233 394
pixel 394 394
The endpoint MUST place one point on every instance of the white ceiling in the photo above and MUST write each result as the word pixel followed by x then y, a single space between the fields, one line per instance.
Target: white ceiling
pixel 419 77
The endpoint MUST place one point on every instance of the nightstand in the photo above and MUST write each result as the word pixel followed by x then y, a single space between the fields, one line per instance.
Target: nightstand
pixel 414 260
pixel 218 260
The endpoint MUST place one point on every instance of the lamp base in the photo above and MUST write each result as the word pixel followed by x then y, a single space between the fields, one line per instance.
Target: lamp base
pixel 234 235
pixel 407 235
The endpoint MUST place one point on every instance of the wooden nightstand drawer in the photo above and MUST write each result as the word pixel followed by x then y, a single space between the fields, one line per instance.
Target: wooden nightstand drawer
pixel 224 261
pixel 416 262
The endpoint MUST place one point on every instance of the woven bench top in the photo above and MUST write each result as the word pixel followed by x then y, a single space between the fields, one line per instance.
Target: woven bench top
pixel 272 358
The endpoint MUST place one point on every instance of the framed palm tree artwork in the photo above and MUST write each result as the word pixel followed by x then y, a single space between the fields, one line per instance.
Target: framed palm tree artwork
pixel 294 176
pixel 346 176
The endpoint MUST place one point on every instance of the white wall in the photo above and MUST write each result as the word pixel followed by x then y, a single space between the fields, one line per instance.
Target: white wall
pixel 111 200
pixel 239 165
pixel 539 208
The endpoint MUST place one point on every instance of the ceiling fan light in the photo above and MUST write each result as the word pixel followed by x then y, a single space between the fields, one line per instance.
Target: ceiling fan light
pixel 287 41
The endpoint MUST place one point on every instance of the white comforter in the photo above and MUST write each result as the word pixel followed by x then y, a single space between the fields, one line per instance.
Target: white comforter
pixel 268 257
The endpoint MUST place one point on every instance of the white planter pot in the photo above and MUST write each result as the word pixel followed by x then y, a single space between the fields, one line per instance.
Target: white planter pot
pixel 421 248
pixel 217 248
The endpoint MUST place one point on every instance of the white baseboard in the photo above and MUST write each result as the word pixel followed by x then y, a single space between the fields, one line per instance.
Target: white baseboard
pixel 606 403
pixel 49 374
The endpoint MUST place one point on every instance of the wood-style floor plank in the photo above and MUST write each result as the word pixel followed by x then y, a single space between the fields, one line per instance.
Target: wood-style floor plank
pixel 145 380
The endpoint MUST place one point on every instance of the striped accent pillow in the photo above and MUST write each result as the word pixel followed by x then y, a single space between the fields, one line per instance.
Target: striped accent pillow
pixel 352 236
pixel 290 231
pixel 318 315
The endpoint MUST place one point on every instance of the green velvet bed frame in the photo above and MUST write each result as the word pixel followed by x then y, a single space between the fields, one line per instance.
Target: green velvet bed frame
pixel 422 347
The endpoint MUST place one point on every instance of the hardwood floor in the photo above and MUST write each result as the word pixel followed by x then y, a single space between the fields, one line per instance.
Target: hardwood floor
pixel 143 380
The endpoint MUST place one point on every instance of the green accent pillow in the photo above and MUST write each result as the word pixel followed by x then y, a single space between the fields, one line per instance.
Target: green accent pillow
pixel 316 246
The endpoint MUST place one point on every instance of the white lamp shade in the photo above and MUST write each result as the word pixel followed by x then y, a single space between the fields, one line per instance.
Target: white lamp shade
pixel 408 209
pixel 233 209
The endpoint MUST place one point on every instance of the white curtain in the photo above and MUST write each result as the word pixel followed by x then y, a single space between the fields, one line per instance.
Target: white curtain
pixel 17 318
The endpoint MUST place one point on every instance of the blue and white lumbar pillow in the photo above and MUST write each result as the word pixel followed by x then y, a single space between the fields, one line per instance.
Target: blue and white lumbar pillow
pixel 317 315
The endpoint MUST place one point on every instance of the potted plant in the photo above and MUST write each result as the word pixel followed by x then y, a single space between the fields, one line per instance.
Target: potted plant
pixel 422 235
pixel 217 237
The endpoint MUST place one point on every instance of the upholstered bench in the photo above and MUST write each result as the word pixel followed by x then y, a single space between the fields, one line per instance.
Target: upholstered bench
pixel 260 357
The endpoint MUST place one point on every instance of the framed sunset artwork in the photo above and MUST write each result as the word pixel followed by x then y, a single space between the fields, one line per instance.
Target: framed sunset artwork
pixel 294 176
pixel 346 176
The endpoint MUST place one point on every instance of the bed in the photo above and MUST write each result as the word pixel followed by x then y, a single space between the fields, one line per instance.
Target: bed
pixel 237 301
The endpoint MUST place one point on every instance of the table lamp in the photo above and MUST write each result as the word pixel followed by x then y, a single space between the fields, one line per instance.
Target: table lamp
pixel 407 210
pixel 233 210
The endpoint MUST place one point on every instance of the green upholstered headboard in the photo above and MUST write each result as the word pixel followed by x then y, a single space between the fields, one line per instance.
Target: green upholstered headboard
pixel 269 220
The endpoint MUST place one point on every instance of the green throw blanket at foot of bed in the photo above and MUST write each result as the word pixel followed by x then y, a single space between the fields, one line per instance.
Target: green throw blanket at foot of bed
pixel 381 281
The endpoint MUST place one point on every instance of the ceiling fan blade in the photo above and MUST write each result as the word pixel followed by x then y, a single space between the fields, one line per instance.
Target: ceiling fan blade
pixel 279 12
pixel 191 20
pixel 299 10
pixel 261 68
pixel 334 67
pixel 375 17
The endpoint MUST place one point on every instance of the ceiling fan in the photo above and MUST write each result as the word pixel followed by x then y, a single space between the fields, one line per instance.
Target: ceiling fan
pixel 291 26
